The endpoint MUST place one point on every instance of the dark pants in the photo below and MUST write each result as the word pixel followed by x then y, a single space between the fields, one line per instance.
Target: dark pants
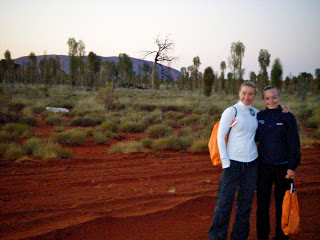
pixel 242 177
pixel 267 176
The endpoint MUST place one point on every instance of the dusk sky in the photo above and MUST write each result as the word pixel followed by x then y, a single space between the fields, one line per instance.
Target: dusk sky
pixel 288 29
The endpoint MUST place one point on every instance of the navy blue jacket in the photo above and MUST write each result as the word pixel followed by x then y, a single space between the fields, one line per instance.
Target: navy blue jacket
pixel 278 138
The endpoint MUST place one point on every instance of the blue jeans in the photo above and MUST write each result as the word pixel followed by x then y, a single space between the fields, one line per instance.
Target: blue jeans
pixel 242 177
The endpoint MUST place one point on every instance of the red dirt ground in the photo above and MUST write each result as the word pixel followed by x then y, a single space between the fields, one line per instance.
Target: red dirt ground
pixel 139 196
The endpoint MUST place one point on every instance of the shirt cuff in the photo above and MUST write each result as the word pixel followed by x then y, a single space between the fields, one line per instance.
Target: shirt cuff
pixel 225 163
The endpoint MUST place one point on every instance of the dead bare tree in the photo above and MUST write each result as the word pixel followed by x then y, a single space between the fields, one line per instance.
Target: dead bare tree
pixel 161 55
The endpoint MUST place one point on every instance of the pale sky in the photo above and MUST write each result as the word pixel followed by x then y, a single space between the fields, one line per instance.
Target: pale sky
pixel 288 29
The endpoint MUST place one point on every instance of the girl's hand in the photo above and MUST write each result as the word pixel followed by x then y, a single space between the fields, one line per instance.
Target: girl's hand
pixel 290 174
pixel 285 109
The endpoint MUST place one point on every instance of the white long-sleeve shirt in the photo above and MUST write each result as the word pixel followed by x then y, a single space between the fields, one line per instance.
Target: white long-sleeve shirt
pixel 241 144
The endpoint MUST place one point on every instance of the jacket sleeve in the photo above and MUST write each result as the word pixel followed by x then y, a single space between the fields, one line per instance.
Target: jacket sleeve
pixel 226 118
pixel 293 141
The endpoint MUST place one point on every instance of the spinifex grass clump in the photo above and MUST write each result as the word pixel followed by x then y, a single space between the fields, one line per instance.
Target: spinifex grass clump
pixel 159 130
pixel 199 146
pixel 75 137
pixel 100 138
pixel 15 132
pixel 172 143
pixel 133 127
pixel 12 151
pixel 55 121
pixel 127 147
pixel 52 150
pixel 31 145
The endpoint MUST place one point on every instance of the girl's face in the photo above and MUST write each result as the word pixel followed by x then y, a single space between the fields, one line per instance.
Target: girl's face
pixel 271 98
pixel 247 95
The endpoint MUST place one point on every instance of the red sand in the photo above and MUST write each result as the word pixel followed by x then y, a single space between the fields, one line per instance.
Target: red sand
pixel 143 196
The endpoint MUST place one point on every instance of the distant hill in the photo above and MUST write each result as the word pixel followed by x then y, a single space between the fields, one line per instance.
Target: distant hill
pixel 64 62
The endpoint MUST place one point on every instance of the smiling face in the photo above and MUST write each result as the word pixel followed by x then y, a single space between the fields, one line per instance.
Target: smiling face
pixel 247 95
pixel 271 98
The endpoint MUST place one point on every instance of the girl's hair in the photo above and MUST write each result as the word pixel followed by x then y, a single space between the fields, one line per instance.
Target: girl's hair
pixel 271 87
pixel 249 84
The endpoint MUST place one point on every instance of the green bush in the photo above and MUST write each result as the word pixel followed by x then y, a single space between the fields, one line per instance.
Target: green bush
pixel 100 138
pixel 152 118
pixel 317 134
pixel 195 118
pixel 3 148
pixel 18 130
pixel 29 120
pixel 13 152
pixel 185 131
pixel 313 122
pixel 172 143
pixel 32 144
pixel 85 121
pixel 108 125
pixel 133 127
pixel 158 131
pixel 171 123
pixel 127 147
pixel 147 142
pixel 8 137
pixel 38 109
pixel 199 146
pixel 75 137
pixel 16 106
pixel 55 121
pixel 174 115
pixel 52 151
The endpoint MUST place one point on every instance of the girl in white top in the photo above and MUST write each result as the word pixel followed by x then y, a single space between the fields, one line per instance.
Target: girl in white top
pixel 241 144
pixel 239 167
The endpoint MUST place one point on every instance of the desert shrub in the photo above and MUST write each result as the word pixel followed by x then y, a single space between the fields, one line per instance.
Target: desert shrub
pixel 73 137
pixel 127 147
pixel 20 131
pixel 174 115
pixel 194 118
pixel 55 121
pixel 152 118
pixel 8 118
pixel 8 137
pixel 317 134
pixel 108 125
pixel 204 133
pixel 32 144
pixel 314 121
pixel 16 106
pixel 303 113
pixel 107 97
pixel 133 127
pixel 169 122
pixel 204 119
pixel 85 121
pixel 13 152
pixel 38 109
pixel 29 120
pixel 146 107
pixel 3 148
pixel 307 141
pixel 100 138
pixel 172 143
pixel 199 146
pixel 146 142
pixel 52 150
pixel 185 131
pixel 214 110
pixel 159 130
